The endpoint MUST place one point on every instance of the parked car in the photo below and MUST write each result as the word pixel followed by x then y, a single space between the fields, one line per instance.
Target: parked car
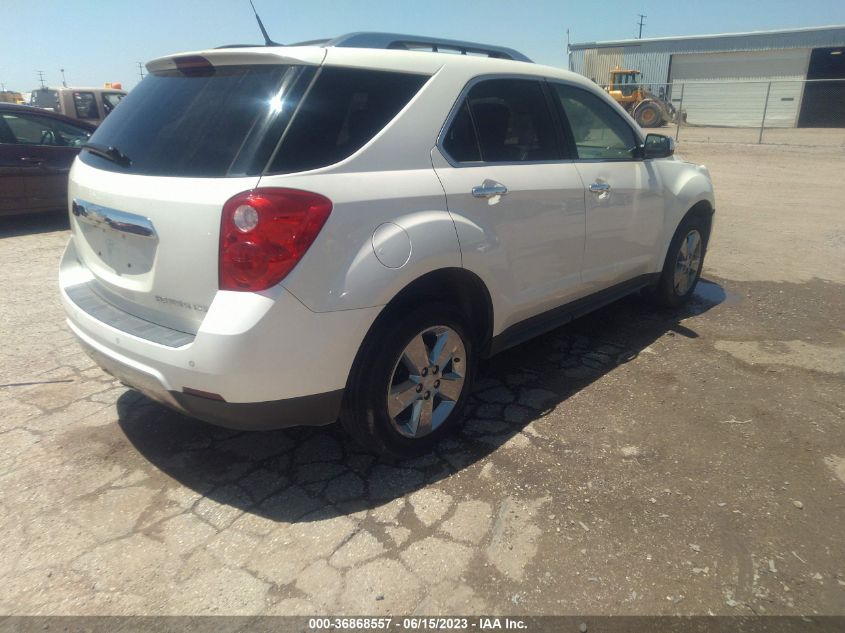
pixel 345 229
pixel 90 105
pixel 37 149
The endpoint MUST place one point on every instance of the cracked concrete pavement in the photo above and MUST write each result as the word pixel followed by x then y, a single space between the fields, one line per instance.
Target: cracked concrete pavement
pixel 634 462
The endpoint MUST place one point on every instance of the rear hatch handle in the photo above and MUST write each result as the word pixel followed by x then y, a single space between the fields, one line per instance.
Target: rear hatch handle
pixel 121 221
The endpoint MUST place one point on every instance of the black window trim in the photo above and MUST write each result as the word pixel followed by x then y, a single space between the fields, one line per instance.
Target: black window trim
pixel 564 121
pixel 461 99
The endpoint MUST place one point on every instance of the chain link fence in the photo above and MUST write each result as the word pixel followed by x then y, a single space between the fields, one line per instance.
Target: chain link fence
pixel 785 112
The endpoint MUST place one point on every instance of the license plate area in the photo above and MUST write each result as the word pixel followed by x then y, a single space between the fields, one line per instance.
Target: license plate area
pixel 124 242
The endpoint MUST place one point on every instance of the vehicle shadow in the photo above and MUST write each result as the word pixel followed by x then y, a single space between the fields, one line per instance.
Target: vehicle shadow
pixel 33 223
pixel 308 474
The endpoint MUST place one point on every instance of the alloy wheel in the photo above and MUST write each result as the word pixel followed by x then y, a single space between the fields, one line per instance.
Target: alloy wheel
pixel 687 263
pixel 427 381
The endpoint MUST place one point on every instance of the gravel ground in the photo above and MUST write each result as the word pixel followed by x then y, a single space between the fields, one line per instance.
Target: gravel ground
pixel 829 138
pixel 635 462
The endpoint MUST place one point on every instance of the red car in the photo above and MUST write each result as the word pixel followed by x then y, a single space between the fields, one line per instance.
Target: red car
pixel 37 148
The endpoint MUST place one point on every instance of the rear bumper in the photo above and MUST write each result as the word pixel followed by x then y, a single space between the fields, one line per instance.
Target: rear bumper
pixel 312 410
pixel 315 410
pixel 265 359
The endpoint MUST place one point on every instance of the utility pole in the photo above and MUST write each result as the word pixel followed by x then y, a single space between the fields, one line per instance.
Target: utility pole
pixel 568 50
pixel 64 83
pixel 41 77
pixel 141 69
pixel 641 22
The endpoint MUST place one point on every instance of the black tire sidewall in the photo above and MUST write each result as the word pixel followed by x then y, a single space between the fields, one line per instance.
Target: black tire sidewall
pixel 366 414
pixel 666 294
pixel 652 123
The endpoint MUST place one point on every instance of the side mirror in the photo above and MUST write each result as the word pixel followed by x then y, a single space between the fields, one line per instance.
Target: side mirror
pixel 658 146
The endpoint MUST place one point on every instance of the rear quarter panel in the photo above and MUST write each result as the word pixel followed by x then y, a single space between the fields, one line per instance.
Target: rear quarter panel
pixel 341 270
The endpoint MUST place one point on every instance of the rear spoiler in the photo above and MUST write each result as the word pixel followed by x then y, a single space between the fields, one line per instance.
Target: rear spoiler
pixel 294 55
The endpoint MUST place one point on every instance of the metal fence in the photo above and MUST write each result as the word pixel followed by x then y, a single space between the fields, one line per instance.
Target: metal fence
pixel 787 111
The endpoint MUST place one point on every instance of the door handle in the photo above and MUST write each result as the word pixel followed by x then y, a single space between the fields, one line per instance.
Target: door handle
pixel 599 187
pixel 488 191
pixel 32 160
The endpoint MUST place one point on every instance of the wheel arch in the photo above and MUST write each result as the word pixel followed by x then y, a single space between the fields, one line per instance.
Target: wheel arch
pixel 457 286
pixel 703 209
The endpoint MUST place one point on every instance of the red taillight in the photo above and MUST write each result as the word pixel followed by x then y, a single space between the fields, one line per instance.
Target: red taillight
pixel 265 232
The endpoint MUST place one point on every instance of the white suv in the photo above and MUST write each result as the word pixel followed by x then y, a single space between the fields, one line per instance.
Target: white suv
pixel 274 236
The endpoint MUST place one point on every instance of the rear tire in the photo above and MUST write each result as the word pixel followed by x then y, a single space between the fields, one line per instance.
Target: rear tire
pixel 683 264
pixel 411 381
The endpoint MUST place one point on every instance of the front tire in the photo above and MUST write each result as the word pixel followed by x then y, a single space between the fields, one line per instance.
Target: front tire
pixel 683 264
pixel 411 381
pixel 649 115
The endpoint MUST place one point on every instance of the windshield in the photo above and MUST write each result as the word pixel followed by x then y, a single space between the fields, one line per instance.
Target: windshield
pixel 225 121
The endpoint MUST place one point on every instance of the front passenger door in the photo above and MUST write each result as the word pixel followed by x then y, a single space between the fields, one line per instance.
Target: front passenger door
pixel 44 148
pixel 625 207
pixel 12 180
pixel 516 197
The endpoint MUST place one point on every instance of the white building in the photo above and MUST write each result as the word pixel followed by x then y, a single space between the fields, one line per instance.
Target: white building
pixel 727 77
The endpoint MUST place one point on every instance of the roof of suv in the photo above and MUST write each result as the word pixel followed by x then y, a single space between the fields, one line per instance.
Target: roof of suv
pixel 397 41
pixel 388 51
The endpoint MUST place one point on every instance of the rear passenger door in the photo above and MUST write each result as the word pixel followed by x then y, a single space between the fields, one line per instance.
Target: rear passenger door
pixel 515 195
pixel 625 206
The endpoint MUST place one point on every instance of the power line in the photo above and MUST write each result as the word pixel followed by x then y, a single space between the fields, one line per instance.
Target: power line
pixel 641 22
pixel 41 77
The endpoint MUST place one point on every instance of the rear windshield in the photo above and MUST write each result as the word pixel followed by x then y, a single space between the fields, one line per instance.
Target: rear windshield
pixel 228 121
pixel 223 121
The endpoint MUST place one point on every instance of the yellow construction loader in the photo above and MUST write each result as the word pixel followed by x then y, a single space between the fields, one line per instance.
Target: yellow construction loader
pixel 648 109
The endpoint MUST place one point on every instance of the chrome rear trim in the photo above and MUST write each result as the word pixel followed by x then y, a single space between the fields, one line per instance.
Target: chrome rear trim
pixel 103 217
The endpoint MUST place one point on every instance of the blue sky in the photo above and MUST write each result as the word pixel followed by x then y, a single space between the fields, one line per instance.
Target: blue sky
pixel 99 40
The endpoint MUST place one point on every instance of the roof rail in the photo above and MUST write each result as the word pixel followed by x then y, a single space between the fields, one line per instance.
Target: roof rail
pixel 414 42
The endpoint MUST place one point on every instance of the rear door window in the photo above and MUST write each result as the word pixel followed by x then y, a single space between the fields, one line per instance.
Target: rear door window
pixel 221 121
pixel 344 109
pixel 461 141
pixel 505 121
